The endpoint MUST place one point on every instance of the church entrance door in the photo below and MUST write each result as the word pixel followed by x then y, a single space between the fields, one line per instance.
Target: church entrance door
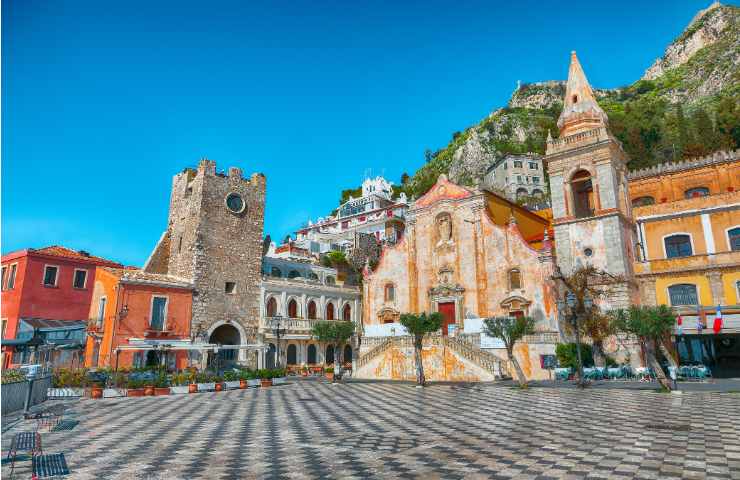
pixel 447 309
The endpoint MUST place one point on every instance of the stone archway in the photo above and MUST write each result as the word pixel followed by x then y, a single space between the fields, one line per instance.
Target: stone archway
pixel 241 355
pixel 225 334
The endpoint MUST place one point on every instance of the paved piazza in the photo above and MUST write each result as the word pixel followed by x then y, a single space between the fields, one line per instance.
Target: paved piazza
pixel 309 429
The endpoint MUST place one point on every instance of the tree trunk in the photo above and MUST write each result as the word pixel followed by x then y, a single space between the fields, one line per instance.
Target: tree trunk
pixel 337 365
pixel 668 350
pixel 519 372
pixel 652 362
pixel 598 353
pixel 419 365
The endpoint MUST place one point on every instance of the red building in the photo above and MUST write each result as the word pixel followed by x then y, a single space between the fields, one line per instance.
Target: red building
pixel 42 289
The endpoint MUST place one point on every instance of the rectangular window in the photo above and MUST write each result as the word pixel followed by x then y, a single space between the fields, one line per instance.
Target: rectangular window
pixel 517 164
pixel 101 311
pixel 5 324
pixel 519 179
pixel 230 287
pixel 11 276
pixel 80 279
pixel 678 246
pixel 159 313
pixel 50 276
pixel 4 271
pixel 533 165
pixel 536 180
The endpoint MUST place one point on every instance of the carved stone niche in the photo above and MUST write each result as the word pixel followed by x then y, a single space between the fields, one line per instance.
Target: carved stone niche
pixel 515 303
pixel 443 232
pixel 388 315
pixel 444 275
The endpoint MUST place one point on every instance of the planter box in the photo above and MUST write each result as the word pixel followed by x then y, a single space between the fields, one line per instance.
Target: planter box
pixel 161 391
pixel 231 385
pixel 114 392
pixel 135 392
pixel 65 392
pixel 206 387
pixel 255 382
pixel 179 390
pixel 265 382
pixel 280 381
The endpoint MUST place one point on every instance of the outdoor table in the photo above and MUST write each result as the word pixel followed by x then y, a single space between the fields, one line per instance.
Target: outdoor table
pixel 24 442
pixel 562 373
pixel 49 416
pixel 614 372
pixel 46 466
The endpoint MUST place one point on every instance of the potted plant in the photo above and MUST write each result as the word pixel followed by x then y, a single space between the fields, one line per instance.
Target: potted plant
pixel 192 382
pixel 135 388
pixel 278 376
pixel 67 382
pixel 162 384
pixel 96 391
pixel 231 379
pixel 117 387
pixel 243 376
pixel 218 382
pixel 265 377
pixel 329 373
pixel 180 383
pixel 205 382
pixel 304 371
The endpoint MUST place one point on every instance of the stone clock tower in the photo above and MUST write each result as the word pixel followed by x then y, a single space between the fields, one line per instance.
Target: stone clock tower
pixel 214 239
pixel 588 182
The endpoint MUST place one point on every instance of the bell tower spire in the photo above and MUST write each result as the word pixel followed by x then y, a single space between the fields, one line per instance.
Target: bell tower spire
pixel 581 111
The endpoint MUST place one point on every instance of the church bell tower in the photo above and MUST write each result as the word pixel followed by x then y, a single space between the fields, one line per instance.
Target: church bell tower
pixel 592 214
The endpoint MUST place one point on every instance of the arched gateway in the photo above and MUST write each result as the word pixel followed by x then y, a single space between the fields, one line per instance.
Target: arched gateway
pixel 225 335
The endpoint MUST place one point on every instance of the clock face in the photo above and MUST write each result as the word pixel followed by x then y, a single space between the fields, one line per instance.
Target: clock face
pixel 235 203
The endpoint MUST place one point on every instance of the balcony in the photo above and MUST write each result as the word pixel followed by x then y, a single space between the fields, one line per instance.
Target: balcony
pixel 684 264
pixel 292 325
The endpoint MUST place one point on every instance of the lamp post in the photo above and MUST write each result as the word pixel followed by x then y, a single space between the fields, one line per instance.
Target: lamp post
pixel 275 323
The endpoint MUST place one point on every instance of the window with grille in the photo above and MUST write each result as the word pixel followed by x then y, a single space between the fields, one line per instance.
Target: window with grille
pixel 683 294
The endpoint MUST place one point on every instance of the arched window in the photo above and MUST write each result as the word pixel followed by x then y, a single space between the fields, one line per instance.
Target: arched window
pixel 683 294
pixel 330 311
pixel 575 98
pixel 643 201
pixel 311 354
pixel 347 354
pixel 390 292
pixel 275 272
pixel 313 276
pixel 330 280
pixel 515 279
pixel 537 192
pixel 696 192
pixel 292 355
pixel 678 246
pixel 294 274
pixel 733 236
pixel 272 307
pixel 521 192
pixel 312 310
pixel 292 309
pixel 347 313
pixel 329 357
pixel 583 194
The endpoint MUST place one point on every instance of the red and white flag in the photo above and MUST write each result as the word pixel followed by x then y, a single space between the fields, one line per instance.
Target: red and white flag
pixel 718 320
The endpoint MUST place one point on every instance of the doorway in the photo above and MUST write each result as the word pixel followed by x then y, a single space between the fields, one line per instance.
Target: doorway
pixel 447 309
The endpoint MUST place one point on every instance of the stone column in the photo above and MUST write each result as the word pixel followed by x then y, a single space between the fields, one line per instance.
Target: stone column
pixel 715 284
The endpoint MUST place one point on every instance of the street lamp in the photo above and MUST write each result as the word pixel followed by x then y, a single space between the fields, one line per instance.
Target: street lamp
pixel 275 323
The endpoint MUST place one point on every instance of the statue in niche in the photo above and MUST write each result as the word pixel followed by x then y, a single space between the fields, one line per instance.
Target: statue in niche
pixel 444 228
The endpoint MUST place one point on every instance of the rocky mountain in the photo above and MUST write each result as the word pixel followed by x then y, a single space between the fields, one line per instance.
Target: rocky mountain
pixel 685 105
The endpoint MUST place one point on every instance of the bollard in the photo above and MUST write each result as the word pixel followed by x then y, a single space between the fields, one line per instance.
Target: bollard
pixel 29 391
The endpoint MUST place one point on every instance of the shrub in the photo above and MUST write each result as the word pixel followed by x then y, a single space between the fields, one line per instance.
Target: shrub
pixel 568 356
pixel 329 370
pixel 231 376
pixel 12 376
pixel 162 380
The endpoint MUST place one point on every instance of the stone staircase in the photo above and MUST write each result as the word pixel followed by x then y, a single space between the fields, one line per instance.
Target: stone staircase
pixel 462 348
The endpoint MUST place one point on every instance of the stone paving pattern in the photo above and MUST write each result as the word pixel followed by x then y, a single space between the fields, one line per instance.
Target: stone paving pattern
pixel 309 429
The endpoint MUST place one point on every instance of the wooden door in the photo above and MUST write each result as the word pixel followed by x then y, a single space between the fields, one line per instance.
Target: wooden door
pixel 447 309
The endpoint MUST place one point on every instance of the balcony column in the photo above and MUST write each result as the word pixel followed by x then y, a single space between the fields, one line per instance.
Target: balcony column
pixel 322 313
pixel 304 308
pixel 283 310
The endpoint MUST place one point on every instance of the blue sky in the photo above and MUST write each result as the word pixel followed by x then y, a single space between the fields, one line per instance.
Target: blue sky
pixel 103 102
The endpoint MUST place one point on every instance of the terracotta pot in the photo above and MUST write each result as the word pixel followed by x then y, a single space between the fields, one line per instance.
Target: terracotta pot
pixel 161 391
pixel 96 392
pixel 149 390
pixel 304 373
pixel 193 388
pixel 135 392
pixel 265 382
pixel 219 387
pixel 242 384
pixel 329 376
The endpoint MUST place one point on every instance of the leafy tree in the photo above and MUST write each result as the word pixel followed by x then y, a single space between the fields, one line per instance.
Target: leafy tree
pixel 568 357
pixel 337 257
pixel 651 326
pixel 419 326
pixel 337 333
pixel 510 330
pixel 404 178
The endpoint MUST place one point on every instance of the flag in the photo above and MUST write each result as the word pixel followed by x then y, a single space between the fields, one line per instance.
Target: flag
pixel 679 325
pixel 701 319
pixel 718 320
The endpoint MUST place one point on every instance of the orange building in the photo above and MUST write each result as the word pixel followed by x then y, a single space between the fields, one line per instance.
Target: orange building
pixel 137 319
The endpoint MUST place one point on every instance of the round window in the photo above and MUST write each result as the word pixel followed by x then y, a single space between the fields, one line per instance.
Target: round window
pixel 588 252
pixel 235 203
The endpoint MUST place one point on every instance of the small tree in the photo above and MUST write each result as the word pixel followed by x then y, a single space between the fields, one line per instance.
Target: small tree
pixel 510 330
pixel 336 332
pixel 418 326
pixel 651 325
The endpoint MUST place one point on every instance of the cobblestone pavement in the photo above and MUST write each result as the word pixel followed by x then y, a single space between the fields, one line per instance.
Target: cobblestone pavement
pixel 372 430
